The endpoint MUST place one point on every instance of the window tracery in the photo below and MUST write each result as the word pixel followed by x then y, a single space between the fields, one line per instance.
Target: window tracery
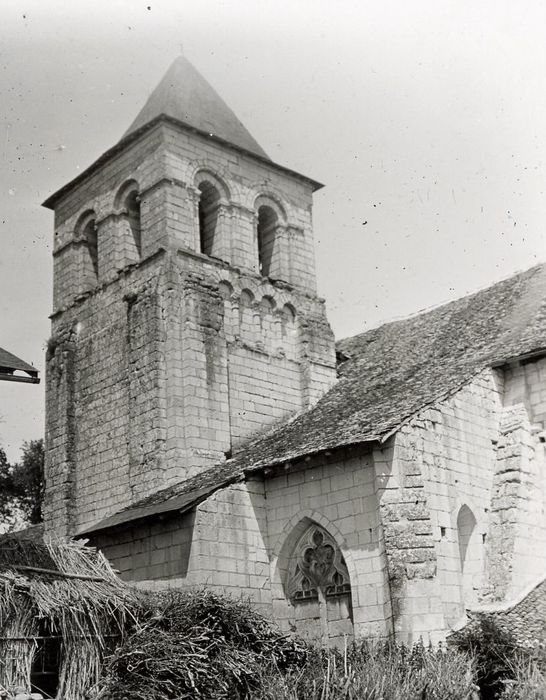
pixel 317 565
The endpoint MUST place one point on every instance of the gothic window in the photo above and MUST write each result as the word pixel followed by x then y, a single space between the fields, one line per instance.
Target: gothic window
pixel 209 201
pixel 267 229
pixel 317 565
pixel 319 588
pixel 470 553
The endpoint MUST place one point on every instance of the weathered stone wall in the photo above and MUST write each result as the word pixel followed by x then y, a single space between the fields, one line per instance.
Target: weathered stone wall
pixel 517 541
pixel 395 513
pixel 104 397
pixel 219 544
pixel 454 448
pixel 151 551
pixel 244 537
pixel 462 502
pixel 411 558
pixel 338 493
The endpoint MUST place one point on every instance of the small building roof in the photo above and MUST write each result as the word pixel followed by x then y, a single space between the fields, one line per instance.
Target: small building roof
pixel 10 363
pixel 390 373
pixel 184 95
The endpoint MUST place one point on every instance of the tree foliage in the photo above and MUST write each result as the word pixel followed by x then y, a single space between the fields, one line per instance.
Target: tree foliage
pixel 22 484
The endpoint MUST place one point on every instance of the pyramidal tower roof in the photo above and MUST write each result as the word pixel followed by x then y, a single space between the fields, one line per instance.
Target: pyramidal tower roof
pixel 184 95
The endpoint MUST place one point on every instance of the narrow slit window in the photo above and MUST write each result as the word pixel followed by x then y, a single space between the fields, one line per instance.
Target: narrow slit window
pixel 90 237
pixel 209 201
pixel 267 229
pixel 132 205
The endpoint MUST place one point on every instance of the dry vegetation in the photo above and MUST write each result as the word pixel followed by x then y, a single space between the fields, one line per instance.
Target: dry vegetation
pixel 202 645
pixel 64 590
pixel 199 644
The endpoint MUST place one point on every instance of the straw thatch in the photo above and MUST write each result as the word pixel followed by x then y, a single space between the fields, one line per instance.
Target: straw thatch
pixel 197 644
pixel 70 591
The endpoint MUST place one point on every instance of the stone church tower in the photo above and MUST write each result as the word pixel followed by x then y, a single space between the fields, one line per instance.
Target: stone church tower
pixel 196 432
pixel 185 314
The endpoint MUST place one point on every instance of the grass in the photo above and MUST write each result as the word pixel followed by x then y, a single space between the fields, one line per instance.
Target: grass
pixel 203 645
pixel 375 671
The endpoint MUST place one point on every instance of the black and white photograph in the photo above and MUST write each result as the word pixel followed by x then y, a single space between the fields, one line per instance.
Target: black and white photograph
pixel 273 350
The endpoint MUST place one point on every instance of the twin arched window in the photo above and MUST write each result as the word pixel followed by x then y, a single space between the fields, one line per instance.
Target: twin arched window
pixel 211 193
pixel 127 203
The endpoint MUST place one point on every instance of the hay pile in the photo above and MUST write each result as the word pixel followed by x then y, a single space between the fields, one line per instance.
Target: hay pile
pixel 60 589
pixel 197 644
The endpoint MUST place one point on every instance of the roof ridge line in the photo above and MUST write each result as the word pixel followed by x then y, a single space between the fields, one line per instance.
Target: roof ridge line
pixel 440 304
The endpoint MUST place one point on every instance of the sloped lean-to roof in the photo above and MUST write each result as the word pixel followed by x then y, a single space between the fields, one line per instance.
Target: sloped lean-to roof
pixel 10 364
pixel 394 371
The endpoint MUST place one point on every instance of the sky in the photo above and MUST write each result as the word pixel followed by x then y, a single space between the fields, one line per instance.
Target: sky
pixel 423 119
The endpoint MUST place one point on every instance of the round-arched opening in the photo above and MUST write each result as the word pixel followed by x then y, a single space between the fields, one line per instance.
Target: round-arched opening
pixel 209 200
pixel 288 319
pixel 246 298
pixel 132 207
pixel 267 304
pixel 88 232
pixel 268 222
pixel 225 289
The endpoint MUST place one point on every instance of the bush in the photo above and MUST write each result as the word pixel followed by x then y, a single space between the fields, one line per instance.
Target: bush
pixel 528 677
pixel 504 669
pixel 492 649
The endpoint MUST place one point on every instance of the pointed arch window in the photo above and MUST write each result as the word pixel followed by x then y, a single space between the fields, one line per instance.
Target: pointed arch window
pixel 317 565
pixel 470 554
pixel 319 588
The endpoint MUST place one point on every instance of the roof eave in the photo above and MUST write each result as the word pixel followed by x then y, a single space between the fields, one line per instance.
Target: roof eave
pixel 52 200
pixel 138 514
